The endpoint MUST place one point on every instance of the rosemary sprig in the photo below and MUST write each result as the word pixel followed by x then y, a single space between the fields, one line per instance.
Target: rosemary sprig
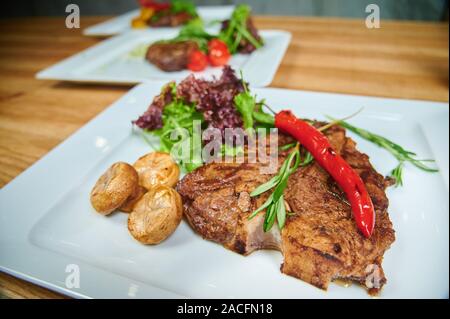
pixel 308 159
pixel 397 174
pixel 286 147
pixel 401 154
pixel 337 121
pixel 274 205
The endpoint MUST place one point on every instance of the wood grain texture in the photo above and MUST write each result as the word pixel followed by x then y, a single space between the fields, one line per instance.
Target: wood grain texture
pixel 401 60
pixel 11 287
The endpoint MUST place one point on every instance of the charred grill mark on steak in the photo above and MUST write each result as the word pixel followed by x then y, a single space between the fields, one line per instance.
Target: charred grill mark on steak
pixel 320 241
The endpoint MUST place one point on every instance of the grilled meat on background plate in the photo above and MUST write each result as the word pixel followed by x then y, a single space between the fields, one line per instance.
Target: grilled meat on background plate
pixel 320 241
pixel 167 18
pixel 171 56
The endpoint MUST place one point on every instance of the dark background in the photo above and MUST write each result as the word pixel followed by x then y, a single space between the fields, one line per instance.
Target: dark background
pixel 426 10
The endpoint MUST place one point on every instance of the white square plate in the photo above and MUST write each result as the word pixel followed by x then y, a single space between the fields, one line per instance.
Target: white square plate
pixel 122 23
pixel 47 223
pixel 112 61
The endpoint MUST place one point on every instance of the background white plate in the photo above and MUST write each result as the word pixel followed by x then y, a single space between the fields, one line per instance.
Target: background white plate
pixel 110 61
pixel 122 23
pixel 47 223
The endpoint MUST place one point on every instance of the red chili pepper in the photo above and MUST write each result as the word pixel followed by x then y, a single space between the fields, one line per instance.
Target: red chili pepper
pixel 198 61
pixel 218 52
pixel 157 6
pixel 349 181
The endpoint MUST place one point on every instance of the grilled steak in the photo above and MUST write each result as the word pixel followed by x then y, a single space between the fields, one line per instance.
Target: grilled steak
pixel 171 56
pixel 320 241
pixel 217 203
pixel 166 18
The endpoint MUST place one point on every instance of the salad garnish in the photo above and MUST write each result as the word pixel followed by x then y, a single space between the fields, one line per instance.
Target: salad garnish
pixel 239 33
pixel 194 31
pixel 212 104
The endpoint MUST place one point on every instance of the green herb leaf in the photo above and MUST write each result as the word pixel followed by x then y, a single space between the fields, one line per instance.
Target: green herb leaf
pixel 194 31
pixel 245 104
pixel 237 29
pixel 246 34
pixel 179 115
pixel 266 186
pixel 281 213
pixel 178 6
pixel 308 159
pixel 269 218
pixel 274 205
pixel 289 169
pixel 287 146
pixel 266 204
pixel 264 118
pixel 397 174
pixel 250 110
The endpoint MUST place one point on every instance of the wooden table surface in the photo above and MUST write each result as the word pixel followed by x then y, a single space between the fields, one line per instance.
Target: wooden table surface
pixel 401 60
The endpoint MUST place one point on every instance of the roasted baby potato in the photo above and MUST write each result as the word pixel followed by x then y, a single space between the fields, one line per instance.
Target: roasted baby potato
pixel 157 168
pixel 114 187
pixel 156 215
pixel 128 206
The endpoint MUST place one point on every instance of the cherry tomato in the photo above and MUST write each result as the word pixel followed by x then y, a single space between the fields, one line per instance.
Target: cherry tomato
pixel 198 61
pixel 218 52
